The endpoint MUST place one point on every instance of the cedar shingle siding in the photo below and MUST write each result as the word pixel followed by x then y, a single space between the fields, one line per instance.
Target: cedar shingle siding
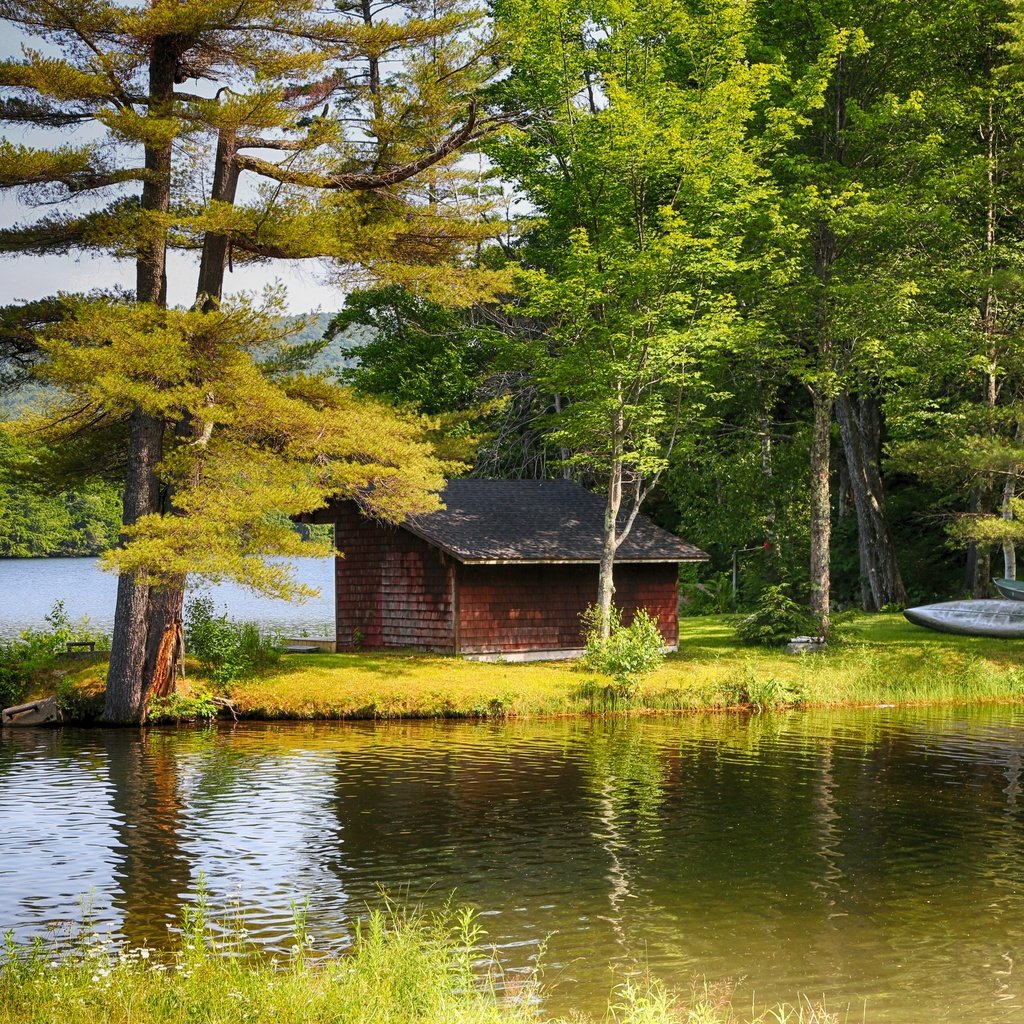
pixel 507 568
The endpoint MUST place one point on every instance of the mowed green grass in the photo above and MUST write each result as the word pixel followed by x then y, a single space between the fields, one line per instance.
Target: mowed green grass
pixel 882 659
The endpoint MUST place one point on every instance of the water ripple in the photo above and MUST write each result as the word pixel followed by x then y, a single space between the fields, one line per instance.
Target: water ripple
pixel 872 856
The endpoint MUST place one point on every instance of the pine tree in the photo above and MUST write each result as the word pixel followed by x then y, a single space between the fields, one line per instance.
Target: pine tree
pixel 353 123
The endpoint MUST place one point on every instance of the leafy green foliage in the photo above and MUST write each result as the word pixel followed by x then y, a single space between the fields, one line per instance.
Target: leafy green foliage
pixel 776 619
pixel 227 650
pixel 418 353
pixel 36 522
pixel 78 703
pixel 628 653
pixel 34 655
pixel 14 674
pixel 711 595
pixel 181 707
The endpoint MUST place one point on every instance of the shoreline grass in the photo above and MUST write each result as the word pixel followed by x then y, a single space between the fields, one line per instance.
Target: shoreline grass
pixel 403 967
pixel 882 660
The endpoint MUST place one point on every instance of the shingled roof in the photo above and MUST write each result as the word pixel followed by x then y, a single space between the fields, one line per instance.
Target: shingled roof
pixel 537 521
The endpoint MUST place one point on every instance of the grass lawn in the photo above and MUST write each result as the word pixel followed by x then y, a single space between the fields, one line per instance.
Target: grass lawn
pixel 882 659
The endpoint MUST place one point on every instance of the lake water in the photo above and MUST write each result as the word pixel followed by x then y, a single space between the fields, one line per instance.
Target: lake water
pixel 30 586
pixel 876 857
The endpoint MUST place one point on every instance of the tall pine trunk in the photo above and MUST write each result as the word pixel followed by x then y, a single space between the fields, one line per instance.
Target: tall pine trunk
pixel 860 430
pixel 126 693
pixel 127 685
pixel 165 644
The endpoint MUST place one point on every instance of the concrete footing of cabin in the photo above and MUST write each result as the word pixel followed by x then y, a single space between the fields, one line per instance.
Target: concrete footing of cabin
pixel 562 655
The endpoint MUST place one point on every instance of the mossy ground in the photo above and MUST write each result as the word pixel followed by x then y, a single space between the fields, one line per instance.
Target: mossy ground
pixel 881 659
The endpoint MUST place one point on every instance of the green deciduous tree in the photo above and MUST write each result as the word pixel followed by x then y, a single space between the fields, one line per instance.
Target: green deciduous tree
pixel 640 168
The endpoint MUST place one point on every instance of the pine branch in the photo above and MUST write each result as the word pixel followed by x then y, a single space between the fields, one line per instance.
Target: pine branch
pixel 19 111
pixel 72 167
pixel 52 236
pixel 471 131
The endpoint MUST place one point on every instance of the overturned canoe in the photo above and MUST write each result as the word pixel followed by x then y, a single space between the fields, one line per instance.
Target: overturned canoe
pixel 972 618
pixel 1012 590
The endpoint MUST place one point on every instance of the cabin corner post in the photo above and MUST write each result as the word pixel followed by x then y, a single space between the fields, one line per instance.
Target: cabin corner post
pixel 454 567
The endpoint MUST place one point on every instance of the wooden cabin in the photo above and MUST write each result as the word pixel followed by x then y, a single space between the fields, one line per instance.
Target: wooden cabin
pixel 504 570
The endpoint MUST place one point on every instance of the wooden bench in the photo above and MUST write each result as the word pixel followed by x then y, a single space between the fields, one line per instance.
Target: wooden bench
pixel 78 648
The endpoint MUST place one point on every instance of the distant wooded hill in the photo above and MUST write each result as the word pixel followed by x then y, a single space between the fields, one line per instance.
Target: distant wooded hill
pixel 84 520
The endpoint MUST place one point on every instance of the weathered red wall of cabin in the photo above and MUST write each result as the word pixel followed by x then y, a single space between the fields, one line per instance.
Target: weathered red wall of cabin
pixel 391 588
pixel 510 608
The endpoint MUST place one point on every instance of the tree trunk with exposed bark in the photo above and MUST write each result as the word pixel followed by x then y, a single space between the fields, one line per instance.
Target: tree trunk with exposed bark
pixel 860 430
pixel 127 685
pixel 610 540
pixel 821 510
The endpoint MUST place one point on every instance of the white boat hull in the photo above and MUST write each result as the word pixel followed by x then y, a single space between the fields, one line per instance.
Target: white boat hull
pixel 972 618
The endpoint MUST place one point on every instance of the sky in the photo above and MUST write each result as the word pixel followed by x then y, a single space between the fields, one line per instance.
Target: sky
pixel 24 278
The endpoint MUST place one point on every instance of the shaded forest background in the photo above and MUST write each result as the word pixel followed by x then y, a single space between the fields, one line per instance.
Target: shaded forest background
pixel 815 215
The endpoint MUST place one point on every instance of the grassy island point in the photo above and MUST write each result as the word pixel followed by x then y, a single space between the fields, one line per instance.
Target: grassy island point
pixel 880 660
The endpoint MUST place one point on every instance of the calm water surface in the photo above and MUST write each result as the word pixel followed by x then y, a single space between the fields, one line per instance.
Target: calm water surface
pixel 876 857
pixel 30 586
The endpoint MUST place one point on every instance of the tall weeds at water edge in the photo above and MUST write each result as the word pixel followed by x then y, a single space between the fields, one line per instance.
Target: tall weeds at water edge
pixel 404 967
pixel 647 1001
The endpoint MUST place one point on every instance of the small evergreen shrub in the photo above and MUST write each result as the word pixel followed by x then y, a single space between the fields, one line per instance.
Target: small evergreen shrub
pixel 776 618
pixel 227 650
pixel 629 652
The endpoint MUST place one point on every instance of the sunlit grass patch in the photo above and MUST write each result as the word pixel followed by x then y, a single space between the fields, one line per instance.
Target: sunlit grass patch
pixel 394 685
pixel 881 659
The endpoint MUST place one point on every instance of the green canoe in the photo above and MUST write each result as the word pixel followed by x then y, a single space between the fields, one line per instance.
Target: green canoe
pixel 1012 590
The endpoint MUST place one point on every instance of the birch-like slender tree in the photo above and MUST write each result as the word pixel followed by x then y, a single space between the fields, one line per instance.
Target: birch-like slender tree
pixel 640 171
